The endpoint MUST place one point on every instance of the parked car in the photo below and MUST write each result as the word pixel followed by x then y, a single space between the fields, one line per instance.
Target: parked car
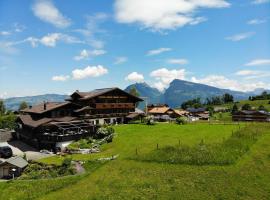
pixel 5 152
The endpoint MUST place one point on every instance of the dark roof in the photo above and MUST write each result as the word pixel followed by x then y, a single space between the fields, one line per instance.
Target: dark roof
pixel 253 112
pixel 16 161
pixel 40 107
pixel 29 121
pixel 194 110
pixel 134 115
pixel 97 92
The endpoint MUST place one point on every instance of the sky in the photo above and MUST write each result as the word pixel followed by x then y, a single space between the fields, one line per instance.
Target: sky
pixel 59 46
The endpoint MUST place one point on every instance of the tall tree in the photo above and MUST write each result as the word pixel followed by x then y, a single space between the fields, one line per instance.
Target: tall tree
pixel 23 105
pixel 227 98
pixel 2 107
pixel 234 108
pixel 246 107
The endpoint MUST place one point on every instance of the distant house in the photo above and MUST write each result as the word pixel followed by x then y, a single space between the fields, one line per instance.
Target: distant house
pixel 12 166
pixel 198 114
pixel 163 112
pixel 136 115
pixel 251 115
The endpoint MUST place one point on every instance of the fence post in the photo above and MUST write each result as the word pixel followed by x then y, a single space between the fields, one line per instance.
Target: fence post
pixel 136 151
pixel 157 146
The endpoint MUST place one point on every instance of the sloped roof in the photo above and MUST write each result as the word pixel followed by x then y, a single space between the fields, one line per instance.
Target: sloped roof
pixel 252 112
pixel 16 161
pixel 97 92
pixel 40 107
pixel 181 112
pixel 29 121
pixel 194 110
pixel 159 110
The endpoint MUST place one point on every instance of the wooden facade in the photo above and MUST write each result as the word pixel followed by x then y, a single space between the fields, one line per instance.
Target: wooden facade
pixel 252 116
pixel 49 123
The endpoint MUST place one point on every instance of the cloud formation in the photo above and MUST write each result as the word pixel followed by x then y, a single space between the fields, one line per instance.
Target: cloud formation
pixel 89 71
pixel 164 77
pixel 161 15
pixel 120 60
pixel 260 1
pixel 46 11
pixel 158 51
pixel 256 21
pixel 85 54
pixel 258 62
pixel 135 77
pixel 180 61
pixel 60 78
pixel 240 36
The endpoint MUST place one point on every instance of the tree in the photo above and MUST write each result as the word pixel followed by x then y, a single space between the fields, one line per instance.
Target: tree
pixel 2 108
pixel 227 98
pixel 23 105
pixel 246 107
pixel 261 107
pixel 133 91
pixel 234 108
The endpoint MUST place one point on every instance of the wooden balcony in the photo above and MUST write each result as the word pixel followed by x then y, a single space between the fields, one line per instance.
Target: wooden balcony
pixel 114 105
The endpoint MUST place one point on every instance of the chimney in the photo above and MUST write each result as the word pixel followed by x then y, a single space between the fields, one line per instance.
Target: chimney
pixel 44 105
pixel 30 106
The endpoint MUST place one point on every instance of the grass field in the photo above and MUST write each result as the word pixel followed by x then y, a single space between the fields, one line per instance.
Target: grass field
pixel 255 104
pixel 127 178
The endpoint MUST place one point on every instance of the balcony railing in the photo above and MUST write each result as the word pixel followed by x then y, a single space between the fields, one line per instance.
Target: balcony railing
pixel 114 105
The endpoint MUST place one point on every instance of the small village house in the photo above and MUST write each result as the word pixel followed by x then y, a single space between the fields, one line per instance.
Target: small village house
pixel 12 167
pixel 251 116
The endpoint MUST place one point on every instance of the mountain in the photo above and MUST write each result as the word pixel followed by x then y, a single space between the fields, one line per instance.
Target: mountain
pixel 152 94
pixel 180 91
pixel 14 102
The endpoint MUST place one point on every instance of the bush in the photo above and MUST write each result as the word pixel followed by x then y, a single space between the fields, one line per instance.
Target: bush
pixel 149 120
pixel 181 120
pixel 105 131
pixel 8 121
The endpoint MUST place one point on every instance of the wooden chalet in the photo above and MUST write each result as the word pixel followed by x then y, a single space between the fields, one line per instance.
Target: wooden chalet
pixel 50 123
pixel 251 115
pixel 163 112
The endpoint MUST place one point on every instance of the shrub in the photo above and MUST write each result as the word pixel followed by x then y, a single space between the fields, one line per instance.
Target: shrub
pixel 105 131
pixel 149 120
pixel 181 120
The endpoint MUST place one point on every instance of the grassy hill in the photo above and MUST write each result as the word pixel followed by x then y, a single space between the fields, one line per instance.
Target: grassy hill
pixel 255 104
pixel 131 178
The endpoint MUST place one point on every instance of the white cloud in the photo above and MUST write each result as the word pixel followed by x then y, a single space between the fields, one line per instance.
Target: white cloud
pixel 4 33
pixel 89 71
pixel 120 60
pixel 50 40
pixel 260 1
pixel 252 74
pixel 225 83
pixel 157 51
pixel 258 62
pixel 164 77
pixel 135 77
pixel 85 54
pixel 256 21
pixel 60 78
pixel 240 36
pixel 161 15
pixel 46 11
pixel 180 61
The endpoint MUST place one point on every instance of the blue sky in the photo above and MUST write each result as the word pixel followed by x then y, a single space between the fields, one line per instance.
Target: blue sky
pixel 59 46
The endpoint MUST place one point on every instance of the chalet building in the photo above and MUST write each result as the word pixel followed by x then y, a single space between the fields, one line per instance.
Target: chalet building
pixel 251 115
pixel 162 112
pixel 198 114
pixel 53 124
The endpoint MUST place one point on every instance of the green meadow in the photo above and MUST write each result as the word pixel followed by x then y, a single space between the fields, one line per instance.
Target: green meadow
pixel 234 163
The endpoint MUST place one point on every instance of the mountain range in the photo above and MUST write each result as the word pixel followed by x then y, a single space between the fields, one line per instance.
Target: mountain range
pixel 177 92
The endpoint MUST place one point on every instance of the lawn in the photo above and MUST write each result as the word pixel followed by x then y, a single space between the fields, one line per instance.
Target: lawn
pixel 128 178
